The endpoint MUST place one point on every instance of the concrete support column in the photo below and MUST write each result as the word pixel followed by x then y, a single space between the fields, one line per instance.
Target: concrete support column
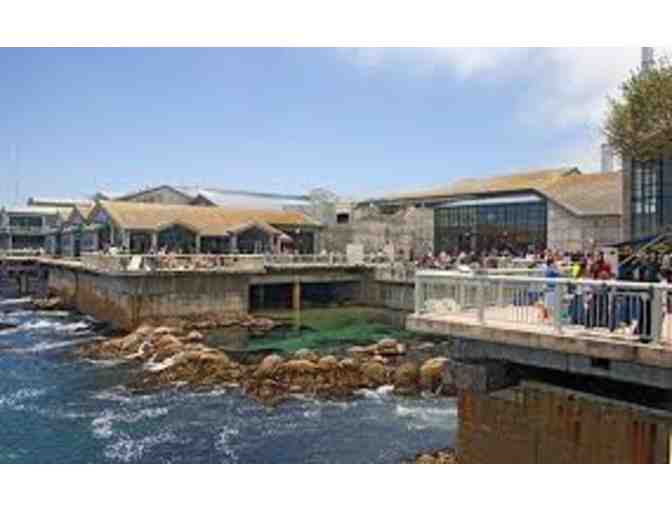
pixel 10 242
pixel 234 243
pixel 155 242
pixel 126 240
pixel 262 296
pixel 296 295
pixel 198 244
pixel 24 283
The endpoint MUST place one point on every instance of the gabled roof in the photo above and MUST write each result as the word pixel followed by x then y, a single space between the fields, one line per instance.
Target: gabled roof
pixel 207 221
pixel 261 225
pixel 521 181
pixel 588 194
pixel 174 189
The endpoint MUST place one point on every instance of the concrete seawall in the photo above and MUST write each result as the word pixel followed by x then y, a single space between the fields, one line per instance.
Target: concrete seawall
pixel 128 299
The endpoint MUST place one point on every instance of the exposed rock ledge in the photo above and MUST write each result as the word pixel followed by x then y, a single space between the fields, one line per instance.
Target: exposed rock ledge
pixel 175 354
pixel 447 456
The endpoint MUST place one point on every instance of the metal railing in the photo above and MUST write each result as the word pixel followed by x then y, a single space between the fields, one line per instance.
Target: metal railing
pixel 613 309
pixel 399 273
pixel 22 252
pixel 328 259
pixel 149 263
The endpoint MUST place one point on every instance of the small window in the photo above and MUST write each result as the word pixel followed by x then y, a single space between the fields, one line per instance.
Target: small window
pixel 342 218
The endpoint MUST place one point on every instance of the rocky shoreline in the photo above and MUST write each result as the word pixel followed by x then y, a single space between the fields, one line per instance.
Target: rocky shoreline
pixel 446 456
pixel 179 354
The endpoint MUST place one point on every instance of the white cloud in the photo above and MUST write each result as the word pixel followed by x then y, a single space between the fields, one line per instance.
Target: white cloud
pixel 565 88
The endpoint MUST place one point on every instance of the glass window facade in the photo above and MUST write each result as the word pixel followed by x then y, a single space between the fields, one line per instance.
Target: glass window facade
pixel 517 227
pixel 651 196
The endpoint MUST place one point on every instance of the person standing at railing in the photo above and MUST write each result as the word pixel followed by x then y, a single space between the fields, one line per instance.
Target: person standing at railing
pixel 649 272
pixel 598 302
pixel 550 271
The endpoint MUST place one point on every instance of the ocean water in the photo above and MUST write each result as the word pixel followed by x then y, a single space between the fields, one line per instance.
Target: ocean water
pixel 57 408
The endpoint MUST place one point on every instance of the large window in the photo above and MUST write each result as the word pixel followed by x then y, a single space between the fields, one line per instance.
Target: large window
pixel 516 227
pixel 651 196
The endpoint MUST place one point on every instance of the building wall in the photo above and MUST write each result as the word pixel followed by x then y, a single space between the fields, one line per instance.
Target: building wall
pixel 568 232
pixel 409 229
pixel 541 424
pixel 626 220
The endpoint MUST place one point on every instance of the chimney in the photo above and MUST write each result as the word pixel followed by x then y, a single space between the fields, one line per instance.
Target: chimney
pixel 607 158
pixel 648 59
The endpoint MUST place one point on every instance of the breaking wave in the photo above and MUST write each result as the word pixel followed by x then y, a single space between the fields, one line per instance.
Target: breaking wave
pixel 16 400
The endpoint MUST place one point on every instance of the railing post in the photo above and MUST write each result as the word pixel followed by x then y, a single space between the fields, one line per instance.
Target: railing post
pixel 480 299
pixel 557 307
pixel 500 294
pixel 657 314
pixel 419 295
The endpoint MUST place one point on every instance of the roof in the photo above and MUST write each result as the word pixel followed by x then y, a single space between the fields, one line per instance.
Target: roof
pixel 58 202
pixel 63 212
pixel 510 199
pixel 207 221
pixel 246 199
pixel 135 194
pixel 520 181
pixel 85 209
pixel 594 194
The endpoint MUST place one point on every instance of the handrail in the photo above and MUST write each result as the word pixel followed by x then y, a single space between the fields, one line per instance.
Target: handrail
pixel 622 309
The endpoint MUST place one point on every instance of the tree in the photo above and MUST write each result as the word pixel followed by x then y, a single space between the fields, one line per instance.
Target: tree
pixel 639 124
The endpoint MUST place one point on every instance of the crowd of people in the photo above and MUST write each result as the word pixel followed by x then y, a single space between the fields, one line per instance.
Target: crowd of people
pixel 587 302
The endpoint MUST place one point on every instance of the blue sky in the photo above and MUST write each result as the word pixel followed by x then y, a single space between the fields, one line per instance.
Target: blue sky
pixel 360 122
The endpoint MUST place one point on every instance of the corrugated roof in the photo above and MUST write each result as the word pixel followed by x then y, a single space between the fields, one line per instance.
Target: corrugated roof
pixel 588 194
pixel 208 221
pixel 520 181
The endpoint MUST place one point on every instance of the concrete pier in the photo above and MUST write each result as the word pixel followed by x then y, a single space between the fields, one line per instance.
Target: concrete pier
pixel 126 298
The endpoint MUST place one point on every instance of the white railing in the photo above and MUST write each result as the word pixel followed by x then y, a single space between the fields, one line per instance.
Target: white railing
pixel 26 252
pixel 151 263
pixel 399 273
pixel 328 259
pixel 614 309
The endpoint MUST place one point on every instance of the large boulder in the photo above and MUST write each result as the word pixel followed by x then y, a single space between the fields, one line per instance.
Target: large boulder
pixel 406 375
pixel 165 330
pixel 131 343
pixel 374 373
pixel 144 331
pixel 299 366
pixel 269 365
pixel 307 355
pixel 194 336
pixel 431 373
pixel 348 364
pixel 328 363
pixel 389 347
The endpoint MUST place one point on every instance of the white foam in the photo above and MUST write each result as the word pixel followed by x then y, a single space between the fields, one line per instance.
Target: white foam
pixel 39 324
pixel 223 442
pixel 105 363
pixel 377 394
pixel 48 346
pixel 127 449
pixel 151 366
pixel 15 400
pixel 421 418
pixel 102 425
pixel 19 301
pixel 74 326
